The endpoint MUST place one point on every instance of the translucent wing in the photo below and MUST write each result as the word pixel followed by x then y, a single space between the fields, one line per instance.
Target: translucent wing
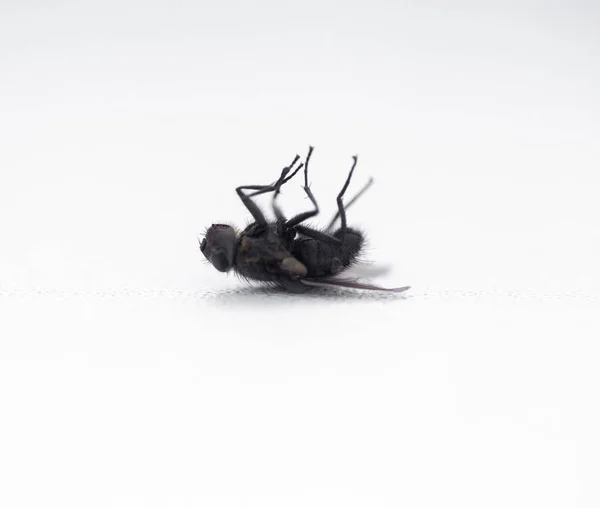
pixel 367 270
pixel 350 283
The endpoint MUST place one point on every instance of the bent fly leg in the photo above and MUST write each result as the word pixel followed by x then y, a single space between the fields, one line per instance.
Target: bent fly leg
pixel 358 195
pixel 262 189
pixel 340 201
pixel 301 217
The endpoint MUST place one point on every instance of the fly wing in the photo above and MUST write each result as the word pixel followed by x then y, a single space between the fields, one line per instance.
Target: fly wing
pixel 367 269
pixel 350 283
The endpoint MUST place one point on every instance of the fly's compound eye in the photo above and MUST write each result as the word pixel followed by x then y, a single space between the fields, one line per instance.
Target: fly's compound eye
pixel 219 246
pixel 220 262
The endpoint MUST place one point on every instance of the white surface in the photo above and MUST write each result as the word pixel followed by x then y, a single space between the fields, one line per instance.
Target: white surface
pixel 131 374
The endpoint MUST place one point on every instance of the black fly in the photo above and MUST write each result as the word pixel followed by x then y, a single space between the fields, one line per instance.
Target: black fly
pixel 285 252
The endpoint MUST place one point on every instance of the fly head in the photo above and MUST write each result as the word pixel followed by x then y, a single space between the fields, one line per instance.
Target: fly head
pixel 219 245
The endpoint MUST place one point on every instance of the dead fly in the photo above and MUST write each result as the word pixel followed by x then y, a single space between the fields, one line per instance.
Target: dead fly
pixel 285 252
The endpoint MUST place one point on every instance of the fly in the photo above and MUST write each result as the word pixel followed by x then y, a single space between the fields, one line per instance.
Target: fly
pixel 285 252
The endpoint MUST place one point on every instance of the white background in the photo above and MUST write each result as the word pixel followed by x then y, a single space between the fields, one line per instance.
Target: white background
pixel 131 374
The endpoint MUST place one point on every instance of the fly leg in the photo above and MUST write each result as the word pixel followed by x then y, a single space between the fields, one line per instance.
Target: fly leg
pixel 301 217
pixel 320 235
pixel 359 194
pixel 276 210
pixel 340 200
pixel 262 189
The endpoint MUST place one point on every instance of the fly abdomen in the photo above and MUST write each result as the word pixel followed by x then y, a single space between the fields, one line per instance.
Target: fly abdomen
pixel 324 259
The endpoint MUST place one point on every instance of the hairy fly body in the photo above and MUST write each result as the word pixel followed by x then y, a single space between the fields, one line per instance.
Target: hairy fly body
pixel 286 252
